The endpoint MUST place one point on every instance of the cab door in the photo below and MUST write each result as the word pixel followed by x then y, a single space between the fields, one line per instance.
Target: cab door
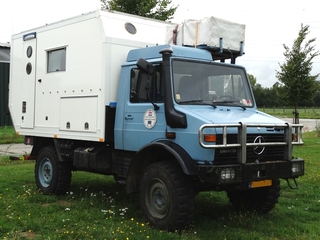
pixel 144 119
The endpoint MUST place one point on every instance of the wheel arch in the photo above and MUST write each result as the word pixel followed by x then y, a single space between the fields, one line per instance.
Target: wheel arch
pixel 39 143
pixel 153 152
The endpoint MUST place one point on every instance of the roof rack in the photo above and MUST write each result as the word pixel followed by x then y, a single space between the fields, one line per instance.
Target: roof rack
pixel 220 53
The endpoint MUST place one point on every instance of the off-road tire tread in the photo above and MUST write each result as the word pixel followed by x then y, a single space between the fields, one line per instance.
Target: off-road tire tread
pixel 185 197
pixel 260 200
pixel 62 174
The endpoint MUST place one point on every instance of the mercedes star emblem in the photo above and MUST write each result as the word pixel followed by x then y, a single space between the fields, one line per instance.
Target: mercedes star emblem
pixel 258 149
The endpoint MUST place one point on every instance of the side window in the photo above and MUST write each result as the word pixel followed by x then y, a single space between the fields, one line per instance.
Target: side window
pixel 56 60
pixel 133 85
pixel 144 88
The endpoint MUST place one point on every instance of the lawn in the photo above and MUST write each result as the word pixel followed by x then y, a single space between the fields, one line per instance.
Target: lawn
pixel 98 208
pixel 7 135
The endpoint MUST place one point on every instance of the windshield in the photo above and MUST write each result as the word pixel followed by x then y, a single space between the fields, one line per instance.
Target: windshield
pixel 196 82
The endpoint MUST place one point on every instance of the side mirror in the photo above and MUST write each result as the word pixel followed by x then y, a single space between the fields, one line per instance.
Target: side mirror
pixel 145 66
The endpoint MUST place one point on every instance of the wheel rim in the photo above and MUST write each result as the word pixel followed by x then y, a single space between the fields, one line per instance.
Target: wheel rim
pixel 157 199
pixel 45 172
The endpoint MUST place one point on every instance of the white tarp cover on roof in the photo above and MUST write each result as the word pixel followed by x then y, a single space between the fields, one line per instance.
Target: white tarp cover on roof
pixel 207 31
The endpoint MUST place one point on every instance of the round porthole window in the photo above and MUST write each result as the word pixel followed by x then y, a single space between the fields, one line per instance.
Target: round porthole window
pixel 29 51
pixel 130 28
pixel 29 68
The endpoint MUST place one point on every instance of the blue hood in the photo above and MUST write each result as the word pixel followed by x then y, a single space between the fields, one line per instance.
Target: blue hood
pixel 231 115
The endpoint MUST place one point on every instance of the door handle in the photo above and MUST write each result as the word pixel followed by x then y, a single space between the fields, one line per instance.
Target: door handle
pixel 128 117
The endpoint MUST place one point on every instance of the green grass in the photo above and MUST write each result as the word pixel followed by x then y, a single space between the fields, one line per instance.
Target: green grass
pixel 97 208
pixel 7 135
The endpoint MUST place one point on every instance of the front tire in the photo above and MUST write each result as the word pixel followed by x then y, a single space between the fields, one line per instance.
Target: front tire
pixel 52 176
pixel 167 196
pixel 261 200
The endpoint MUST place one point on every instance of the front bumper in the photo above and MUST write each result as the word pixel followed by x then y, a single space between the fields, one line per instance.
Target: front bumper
pixel 220 175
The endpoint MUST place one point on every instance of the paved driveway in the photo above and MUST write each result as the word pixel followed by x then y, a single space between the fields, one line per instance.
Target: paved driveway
pixel 14 149
pixel 309 124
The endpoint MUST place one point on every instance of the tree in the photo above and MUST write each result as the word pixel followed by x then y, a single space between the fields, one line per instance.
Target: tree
pixel 297 83
pixel 156 9
pixel 252 80
pixel 317 96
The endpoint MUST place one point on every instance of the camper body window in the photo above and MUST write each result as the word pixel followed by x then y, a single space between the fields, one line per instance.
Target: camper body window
pixel 56 60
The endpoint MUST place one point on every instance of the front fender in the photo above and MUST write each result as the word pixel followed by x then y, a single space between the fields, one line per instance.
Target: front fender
pixel 187 164
pixel 154 152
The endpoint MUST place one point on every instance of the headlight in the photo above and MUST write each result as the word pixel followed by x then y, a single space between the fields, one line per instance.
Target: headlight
pixel 297 169
pixel 227 174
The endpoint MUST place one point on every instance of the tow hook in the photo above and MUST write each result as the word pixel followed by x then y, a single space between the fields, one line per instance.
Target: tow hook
pixel 295 183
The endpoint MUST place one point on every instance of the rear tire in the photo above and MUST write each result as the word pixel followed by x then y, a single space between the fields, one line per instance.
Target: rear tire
pixel 261 200
pixel 52 176
pixel 167 196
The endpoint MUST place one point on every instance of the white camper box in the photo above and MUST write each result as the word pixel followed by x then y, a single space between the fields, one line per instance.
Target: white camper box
pixel 64 74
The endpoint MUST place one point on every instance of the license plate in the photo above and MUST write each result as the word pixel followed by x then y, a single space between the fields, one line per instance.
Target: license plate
pixel 257 184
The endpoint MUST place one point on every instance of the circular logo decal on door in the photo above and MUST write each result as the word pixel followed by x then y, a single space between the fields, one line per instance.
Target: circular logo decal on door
pixel 149 118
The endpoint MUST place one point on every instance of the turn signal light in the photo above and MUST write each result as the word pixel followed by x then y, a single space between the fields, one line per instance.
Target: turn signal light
pixel 294 137
pixel 210 138
pixel 170 135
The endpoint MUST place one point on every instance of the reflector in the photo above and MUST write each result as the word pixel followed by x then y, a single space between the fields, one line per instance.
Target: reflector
pixel 170 135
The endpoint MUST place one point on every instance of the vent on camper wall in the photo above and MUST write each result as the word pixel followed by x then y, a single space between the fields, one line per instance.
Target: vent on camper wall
pixel 29 52
pixel 68 125
pixel 29 68
pixel 130 28
pixel 24 107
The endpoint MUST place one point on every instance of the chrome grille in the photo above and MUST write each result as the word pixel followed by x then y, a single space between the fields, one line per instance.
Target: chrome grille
pixel 270 153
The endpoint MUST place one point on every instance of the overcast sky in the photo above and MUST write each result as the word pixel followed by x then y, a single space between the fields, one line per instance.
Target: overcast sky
pixel 269 24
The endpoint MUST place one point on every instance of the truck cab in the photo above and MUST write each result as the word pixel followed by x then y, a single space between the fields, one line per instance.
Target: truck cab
pixel 180 107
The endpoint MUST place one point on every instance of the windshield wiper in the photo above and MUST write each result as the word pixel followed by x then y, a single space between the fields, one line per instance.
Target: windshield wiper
pixel 231 103
pixel 192 101
pixel 198 101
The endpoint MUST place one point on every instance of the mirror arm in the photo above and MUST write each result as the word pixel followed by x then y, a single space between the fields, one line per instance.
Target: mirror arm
pixel 155 106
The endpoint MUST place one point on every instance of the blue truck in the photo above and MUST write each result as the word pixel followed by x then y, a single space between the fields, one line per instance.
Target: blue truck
pixel 168 121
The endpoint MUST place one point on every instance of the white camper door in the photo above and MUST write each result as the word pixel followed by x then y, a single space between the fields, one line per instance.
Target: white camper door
pixel 28 80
